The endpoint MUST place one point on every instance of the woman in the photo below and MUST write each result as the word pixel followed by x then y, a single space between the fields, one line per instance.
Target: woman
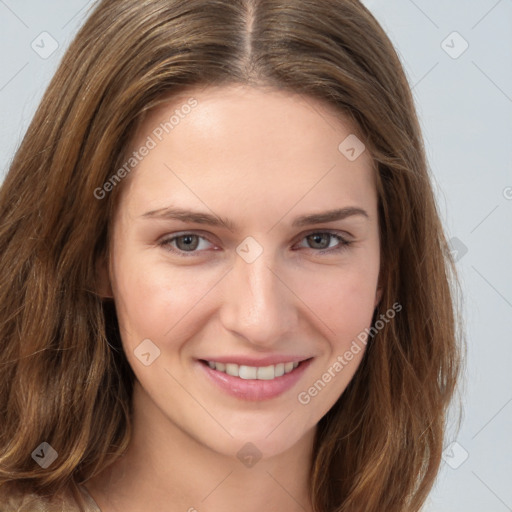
pixel 224 281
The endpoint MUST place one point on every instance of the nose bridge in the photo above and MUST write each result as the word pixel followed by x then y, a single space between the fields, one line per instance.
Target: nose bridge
pixel 257 305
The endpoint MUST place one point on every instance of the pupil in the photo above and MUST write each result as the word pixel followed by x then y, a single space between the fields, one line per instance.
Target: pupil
pixel 320 236
pixel 188 242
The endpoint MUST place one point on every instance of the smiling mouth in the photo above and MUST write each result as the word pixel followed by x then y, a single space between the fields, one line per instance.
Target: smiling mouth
pixel 270 372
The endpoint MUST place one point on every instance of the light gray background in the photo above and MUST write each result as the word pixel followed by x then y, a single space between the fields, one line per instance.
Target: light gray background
pixel 465 107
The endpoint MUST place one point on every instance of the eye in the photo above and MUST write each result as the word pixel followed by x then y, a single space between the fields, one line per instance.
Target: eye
pixel 189 244
pixel 184 243
pixel 323 240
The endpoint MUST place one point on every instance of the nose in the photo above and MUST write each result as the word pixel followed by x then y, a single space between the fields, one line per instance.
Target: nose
pixel 258 305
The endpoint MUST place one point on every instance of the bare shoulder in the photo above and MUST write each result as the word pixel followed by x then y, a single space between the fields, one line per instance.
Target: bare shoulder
pixel 14 500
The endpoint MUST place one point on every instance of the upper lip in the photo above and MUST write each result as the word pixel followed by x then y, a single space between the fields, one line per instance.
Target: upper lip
pixel 252 361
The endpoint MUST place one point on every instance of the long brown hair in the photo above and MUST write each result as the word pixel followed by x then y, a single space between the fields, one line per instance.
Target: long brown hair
pixel 64 378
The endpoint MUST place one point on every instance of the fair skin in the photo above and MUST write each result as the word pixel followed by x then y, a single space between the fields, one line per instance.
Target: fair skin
pixel 258 158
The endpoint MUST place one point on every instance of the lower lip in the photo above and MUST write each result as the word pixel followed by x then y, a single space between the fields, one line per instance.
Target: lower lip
pixel 253 389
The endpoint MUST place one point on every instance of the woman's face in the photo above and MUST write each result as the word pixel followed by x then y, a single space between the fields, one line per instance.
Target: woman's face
pixel 246 236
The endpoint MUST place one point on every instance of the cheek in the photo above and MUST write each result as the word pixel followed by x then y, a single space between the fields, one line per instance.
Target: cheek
pixel 342 299
pixel 153 300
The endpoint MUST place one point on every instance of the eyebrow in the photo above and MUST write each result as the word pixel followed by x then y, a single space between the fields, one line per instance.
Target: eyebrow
pixel 183 215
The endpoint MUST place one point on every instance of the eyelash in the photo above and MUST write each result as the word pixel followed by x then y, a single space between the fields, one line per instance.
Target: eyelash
pixel 344 244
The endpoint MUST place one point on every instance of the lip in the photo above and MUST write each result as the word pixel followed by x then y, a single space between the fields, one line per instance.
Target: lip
pixel 253 389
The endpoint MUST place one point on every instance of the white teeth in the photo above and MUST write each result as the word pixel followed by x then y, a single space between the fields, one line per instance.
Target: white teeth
pixel 252 372
pixel 288 367
pixel 266 372
pixel 279 371
pixel 232 369
pixel 247 372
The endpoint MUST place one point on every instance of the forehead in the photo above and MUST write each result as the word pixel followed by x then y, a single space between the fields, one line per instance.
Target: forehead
pixel 248 142
pixel 251 114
